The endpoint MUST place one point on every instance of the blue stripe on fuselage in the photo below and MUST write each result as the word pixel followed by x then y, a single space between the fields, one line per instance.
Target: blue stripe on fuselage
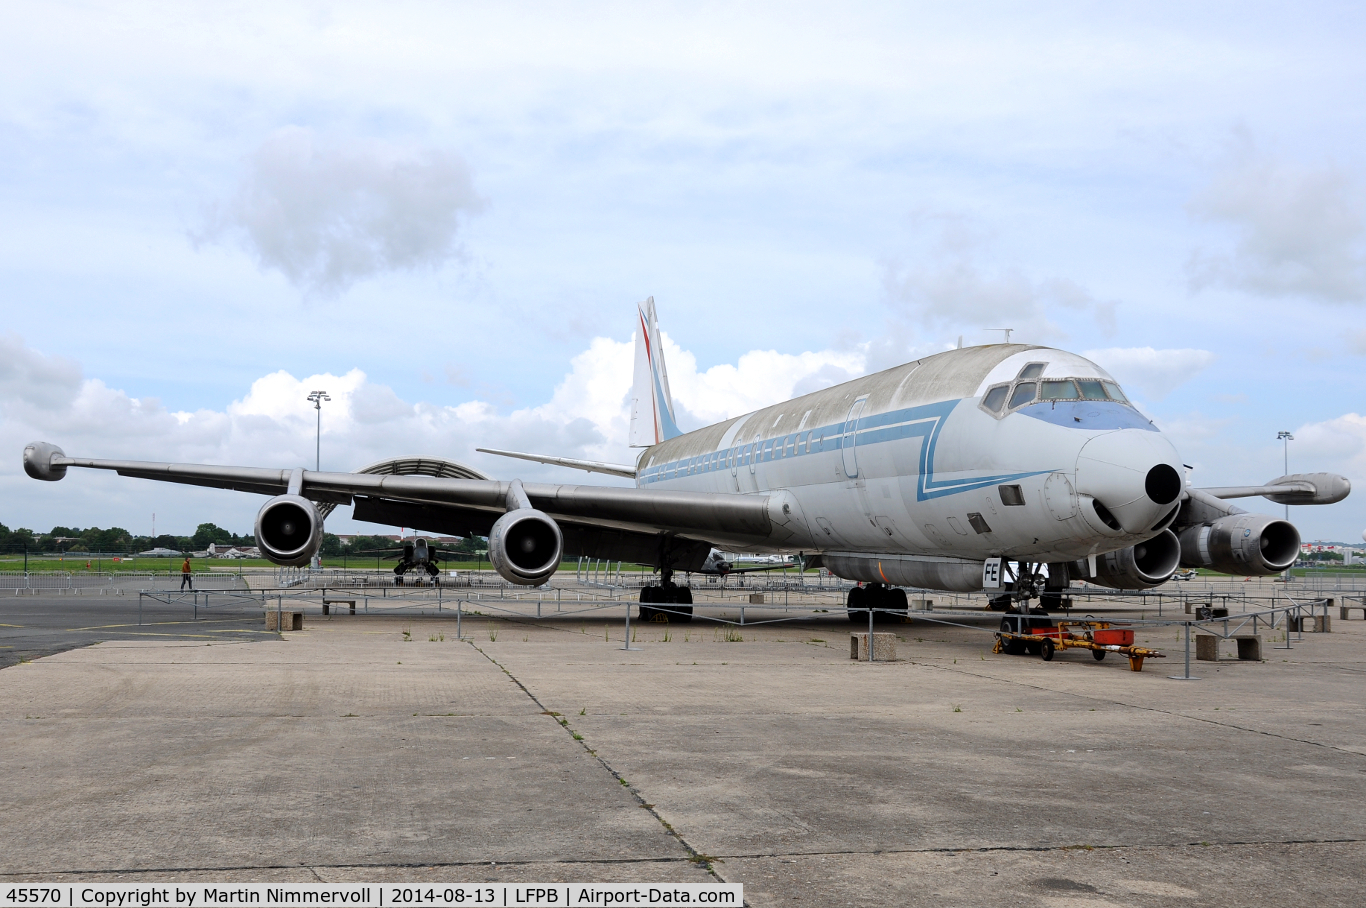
pixel 925 421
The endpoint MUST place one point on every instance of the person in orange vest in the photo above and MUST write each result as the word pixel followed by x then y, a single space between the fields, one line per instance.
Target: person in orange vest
pixel 185 578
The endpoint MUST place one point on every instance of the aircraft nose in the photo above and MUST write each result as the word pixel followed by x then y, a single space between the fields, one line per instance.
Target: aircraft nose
pixel 1163 484
pixel 1133 475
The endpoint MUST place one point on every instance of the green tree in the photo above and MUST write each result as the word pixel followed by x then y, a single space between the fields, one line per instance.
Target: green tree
pixel 209 533
pixel 331 545
pixel 471 544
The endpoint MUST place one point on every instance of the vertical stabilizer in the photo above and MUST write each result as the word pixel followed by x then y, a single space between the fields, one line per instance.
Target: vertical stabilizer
pixel 652 407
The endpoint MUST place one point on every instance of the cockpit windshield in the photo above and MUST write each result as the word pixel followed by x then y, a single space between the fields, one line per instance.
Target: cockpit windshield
pixel 1023 391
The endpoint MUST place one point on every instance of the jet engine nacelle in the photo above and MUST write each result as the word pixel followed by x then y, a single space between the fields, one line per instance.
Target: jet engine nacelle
pixel 1245 544
pixel 525 546
pixel 289 530
pixel 1139 567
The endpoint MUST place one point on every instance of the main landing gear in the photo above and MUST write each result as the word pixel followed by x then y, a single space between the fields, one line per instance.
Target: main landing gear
pixel 676 601
pixel 889 603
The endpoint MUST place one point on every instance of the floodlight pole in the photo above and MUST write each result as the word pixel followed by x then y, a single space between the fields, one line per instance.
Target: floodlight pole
pixel 317 398
pixel 1286 438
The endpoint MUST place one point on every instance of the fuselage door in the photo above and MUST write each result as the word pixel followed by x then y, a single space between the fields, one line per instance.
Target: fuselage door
pixel 849 444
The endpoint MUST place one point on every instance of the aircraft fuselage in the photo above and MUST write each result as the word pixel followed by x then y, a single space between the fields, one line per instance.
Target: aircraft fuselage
pixel 911 461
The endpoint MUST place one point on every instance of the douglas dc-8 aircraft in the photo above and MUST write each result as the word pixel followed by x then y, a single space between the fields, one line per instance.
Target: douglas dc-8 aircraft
pixel 959 471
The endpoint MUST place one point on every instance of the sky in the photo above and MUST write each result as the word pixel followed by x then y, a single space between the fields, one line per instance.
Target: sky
pixel 444 213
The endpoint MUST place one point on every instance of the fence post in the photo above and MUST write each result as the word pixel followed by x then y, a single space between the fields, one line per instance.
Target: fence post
pixel 1187 676
pixel 627 646
pixel 870 636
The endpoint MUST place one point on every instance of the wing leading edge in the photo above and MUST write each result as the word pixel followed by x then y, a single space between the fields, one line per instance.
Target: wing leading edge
pixel 742 519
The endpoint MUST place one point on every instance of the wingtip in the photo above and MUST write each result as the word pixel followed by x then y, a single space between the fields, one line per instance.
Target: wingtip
pixel 38 457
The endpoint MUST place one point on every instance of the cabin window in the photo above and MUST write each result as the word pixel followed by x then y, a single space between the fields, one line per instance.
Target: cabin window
pixel 808 442
pixel 1115 394
pixel 1092 389
pixel 768 450
pixel 1011 496
pixel 791 447
pixel 1063 389
pixel 1024 393
pixel 1033 370
pixel 996 398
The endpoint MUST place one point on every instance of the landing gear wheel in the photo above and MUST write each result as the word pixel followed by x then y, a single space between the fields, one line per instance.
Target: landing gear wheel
pixel 857 604
pixel 901 608
pixel 1098 654
pixel 647 593
pixel 1046 650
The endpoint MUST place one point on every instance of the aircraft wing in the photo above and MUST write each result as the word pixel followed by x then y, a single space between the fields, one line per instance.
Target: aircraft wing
pixel 591 466
pixel 737 519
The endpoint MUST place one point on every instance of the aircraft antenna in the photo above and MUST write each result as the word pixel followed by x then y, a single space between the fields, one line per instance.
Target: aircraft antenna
pixel 1007 333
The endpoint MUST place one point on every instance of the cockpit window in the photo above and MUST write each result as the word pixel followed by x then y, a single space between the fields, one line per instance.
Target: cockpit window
pixel 1024 393
pixel 1091 389
pixel 1115 394
pixel 1033 370
pixel 995 398
pixel 1063 389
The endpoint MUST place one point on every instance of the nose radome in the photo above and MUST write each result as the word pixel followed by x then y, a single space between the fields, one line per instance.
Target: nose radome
pixel 1163 484
pixel 1133 474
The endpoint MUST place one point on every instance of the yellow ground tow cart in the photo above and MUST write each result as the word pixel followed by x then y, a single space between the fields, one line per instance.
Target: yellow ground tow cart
pixel 1028 633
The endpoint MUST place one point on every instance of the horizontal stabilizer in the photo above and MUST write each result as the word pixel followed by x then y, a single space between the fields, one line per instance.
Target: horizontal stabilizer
pixel 592 466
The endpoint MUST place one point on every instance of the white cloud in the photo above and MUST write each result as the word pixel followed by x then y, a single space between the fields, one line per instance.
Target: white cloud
pixel 273 425
pixel 1298 231
pixel 1155 372
pixel 948 284
pixel 328 216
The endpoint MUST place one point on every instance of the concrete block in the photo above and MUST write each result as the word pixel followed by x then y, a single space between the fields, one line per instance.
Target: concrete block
pixel 922 605
pixel 884 647
pixel 290 621
pixel 756 598
pixel 1207 647
pixel 1309 624
pixel 1249 648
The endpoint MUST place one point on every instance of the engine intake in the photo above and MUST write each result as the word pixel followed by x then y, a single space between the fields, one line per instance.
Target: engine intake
pixel 1139 567
pixel 1245 544
pixel 525 546
pixel 289 530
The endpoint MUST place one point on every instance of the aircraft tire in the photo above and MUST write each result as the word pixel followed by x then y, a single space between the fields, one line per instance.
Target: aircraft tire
pixel 857 605
pixel 683 595
pixel 647 593
pixel 899 608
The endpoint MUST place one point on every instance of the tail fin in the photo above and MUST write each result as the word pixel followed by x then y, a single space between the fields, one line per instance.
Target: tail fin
pixel 652 407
